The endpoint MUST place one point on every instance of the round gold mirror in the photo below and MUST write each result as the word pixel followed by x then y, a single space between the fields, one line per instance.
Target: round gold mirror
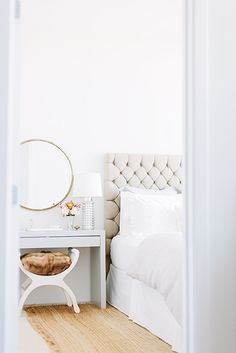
pixel 46 175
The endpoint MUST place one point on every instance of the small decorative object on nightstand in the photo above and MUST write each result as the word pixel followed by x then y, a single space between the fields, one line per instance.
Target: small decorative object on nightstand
pixel 87 185
pixel 70 210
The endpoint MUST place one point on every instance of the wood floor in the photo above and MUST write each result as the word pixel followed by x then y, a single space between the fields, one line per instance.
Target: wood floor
pixel 92 331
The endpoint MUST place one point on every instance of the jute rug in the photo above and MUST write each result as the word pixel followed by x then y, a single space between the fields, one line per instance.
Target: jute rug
pixel 92 331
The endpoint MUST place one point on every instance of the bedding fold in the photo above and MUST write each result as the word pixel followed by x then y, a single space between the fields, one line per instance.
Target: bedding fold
pixel 158 263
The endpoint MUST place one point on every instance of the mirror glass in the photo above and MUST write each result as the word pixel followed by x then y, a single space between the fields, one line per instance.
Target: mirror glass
pixel 46 175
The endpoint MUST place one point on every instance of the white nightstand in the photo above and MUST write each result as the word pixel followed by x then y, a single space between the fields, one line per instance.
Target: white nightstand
pixel 94 239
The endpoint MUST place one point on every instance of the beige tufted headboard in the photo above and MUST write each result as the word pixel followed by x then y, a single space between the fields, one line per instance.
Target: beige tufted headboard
pixel 147 171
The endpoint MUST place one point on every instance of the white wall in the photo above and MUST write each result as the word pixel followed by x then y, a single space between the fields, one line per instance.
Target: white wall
pixel 212 178
pixel 101 76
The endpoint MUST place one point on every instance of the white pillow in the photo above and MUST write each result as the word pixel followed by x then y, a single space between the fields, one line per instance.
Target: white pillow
pixel 148 214
pixel 167 191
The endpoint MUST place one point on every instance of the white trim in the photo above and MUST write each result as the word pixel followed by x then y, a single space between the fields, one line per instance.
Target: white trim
pixel 8 206
pixel 196 176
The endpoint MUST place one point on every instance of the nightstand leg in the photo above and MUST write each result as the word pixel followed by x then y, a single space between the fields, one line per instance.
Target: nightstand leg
pixel 102 265
pixel 98 275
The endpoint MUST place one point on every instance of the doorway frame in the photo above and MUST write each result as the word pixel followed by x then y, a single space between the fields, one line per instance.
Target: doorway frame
pixel 196 298
pixel 8 178
pixel 195 140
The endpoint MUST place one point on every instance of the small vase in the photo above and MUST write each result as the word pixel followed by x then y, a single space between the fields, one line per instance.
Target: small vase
pixel 70 222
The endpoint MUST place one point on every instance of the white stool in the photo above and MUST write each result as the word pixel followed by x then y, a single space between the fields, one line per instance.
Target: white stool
pixel 34 281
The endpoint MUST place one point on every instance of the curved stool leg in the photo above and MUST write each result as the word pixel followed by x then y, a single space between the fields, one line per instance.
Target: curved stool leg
pixel 72 296
pixel 24 297
pixel 68 300
pixel 26 283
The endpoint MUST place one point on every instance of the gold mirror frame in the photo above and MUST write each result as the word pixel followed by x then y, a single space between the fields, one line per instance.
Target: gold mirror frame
pixel 72 175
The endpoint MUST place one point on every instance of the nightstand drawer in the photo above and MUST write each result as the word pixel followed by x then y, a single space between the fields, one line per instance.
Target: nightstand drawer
pixel 59 242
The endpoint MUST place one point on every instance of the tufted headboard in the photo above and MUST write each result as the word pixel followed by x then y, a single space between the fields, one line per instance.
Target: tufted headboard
pixel 147 171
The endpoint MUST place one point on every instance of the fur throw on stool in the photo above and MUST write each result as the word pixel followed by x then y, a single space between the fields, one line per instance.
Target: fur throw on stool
pixel 46 263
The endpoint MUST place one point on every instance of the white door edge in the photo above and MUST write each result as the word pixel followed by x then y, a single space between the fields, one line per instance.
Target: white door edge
pixel 8 181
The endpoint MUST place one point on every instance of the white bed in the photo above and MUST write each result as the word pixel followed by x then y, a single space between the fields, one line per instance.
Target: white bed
pixel 142 303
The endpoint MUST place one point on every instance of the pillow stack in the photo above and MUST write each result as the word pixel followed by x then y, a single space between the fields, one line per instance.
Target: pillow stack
pixel 147 212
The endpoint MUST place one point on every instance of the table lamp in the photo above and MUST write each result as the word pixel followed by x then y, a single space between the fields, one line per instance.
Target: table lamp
pixel 87 186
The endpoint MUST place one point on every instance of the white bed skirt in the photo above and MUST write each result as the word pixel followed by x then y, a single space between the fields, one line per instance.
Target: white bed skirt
pixel 143 305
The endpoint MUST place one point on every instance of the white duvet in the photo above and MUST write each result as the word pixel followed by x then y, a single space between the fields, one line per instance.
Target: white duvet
pixel 158 263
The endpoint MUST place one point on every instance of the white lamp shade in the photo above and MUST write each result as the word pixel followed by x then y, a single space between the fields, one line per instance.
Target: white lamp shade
pixel 87 185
